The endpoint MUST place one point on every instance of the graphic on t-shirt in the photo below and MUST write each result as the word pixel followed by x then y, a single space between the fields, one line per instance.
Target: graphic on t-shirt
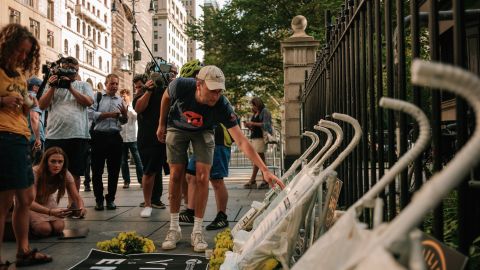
pixel 193 118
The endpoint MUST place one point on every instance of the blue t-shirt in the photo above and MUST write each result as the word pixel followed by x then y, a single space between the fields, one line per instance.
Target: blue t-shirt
pixel 187 114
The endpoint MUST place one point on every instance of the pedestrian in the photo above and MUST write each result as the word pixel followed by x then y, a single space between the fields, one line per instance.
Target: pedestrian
pixel 129 136
pixel 109 114
pixel 52 177
pixel 19 54
pixel 67 125
pixel 36 122
pixel 219 170
pixel 152 152
pixel 196 106
pixel 260 122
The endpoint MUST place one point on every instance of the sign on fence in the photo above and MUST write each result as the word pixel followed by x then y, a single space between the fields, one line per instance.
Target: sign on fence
pixel 101 260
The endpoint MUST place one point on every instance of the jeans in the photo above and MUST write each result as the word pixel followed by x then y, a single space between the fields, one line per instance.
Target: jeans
pixel 132 146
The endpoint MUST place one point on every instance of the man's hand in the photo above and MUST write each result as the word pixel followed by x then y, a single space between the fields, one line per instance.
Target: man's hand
pixel 52 79
pixel 149 85
pixel 37 145
pixel 161 134
pixel 123 109
pixel 272 180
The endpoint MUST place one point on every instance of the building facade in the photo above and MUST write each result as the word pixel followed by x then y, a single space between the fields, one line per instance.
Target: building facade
pixel 78 28
pixel 86 35
pixel 43 18
pixel 169 38
pixel 191 9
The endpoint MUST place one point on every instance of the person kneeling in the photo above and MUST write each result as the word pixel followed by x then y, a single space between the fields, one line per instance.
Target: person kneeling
pixel 52 176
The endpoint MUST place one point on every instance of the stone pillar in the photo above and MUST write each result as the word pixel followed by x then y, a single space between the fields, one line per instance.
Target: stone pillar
pixel 299 55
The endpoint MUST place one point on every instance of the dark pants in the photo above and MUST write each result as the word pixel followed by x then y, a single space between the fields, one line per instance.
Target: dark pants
pixel 157 189
pixel 106 147
pixel 88 165
pixel 132 146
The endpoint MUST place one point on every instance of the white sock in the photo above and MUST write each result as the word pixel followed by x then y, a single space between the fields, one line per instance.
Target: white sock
pixel 174 222
pixel 197 224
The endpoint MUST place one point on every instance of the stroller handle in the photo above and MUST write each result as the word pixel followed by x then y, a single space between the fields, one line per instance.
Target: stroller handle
pixel 338 140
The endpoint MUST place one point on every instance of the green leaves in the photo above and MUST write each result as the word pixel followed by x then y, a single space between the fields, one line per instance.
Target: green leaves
pixel 243 39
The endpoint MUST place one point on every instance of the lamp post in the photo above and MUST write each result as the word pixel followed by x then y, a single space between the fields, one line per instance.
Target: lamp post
pixel 127 61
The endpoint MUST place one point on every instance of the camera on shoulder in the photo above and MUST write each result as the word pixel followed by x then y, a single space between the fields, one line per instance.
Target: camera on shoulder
pixel 61 68
pixel 158 70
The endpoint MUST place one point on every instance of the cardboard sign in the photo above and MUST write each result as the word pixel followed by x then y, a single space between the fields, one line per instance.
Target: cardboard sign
pixel 101 260
pixel 438 256
pixel 331 202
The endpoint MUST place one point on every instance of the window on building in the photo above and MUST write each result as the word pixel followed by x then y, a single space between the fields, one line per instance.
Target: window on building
pixel 84 28
pixel 50 9
pixel 108 66
pixel 89 31
pixel 155 22
pixel 98 37
pixel 94 34
pixel 106 42
pixel 100 62
pixel 105 18
pixel 155 47
pixel 69 19
pixel 78 25
pixel 50 39
pixel 14 15
pixel 77 51
pixel 155 34
pixel 65 47
pixel 83 2
pixel 90 58
pixel 88 6
pixel 35 28
pixel 29 3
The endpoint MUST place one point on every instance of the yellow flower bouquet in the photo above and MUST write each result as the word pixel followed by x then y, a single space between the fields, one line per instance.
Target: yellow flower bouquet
pixel 127 243
pixel 223 243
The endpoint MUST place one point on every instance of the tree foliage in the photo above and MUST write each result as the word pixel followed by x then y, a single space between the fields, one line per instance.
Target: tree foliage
pixel 243 39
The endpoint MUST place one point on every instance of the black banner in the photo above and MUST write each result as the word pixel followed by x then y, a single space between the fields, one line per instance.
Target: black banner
pixel 101 260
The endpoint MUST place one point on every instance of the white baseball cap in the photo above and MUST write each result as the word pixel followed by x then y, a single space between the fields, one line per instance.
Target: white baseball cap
pixel 213 77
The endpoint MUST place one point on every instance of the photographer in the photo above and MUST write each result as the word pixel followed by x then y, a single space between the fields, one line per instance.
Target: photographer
pixel 108 114
pixel 152 152
pixel 67 101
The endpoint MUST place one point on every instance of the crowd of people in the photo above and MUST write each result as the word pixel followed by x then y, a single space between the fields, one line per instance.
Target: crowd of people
pixel 83 129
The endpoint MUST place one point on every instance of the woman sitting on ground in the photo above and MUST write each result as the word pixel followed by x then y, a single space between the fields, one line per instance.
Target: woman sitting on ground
pixel 52 176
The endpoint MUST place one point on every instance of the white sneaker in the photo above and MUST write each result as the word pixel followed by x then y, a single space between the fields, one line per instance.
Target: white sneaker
pixel 172 239
pixel 146 212
pixel 198 242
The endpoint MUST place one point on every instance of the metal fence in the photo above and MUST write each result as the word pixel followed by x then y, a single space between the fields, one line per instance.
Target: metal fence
pixel 272 156
pixel 369 48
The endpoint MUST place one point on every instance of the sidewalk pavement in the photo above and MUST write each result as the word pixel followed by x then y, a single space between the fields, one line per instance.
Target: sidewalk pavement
pixel 104 225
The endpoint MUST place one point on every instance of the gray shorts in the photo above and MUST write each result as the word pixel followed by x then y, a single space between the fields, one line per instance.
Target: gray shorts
pixel 177 141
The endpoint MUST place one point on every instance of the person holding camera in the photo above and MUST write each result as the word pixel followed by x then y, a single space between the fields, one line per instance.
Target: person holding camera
pixel 67 100
pixel 52 177
pixel 108 114
pixel 194 108
pixel 19 54
pixel 152 152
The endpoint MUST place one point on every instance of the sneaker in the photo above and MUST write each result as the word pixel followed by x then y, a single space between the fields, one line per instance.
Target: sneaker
pixel 187 216
pixel 99 206
pixel 159 205
pixel 173 236
pixel 219 222
pixel 198 242
pixel 146 212
pixel 87 187
pixel 126 185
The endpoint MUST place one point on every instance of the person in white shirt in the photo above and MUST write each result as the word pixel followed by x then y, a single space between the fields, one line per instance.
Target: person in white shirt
pixel 129 136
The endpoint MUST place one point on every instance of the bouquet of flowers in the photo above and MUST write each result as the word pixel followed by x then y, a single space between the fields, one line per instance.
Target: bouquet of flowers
pixel 223 243
pixel 127 243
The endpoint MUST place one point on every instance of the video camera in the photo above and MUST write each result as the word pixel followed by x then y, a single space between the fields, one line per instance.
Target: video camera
pixel 159 71
pixel 59 69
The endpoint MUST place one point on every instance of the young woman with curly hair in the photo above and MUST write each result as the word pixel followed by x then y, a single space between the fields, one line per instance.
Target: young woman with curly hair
pixel 52 176
pixel 19 55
